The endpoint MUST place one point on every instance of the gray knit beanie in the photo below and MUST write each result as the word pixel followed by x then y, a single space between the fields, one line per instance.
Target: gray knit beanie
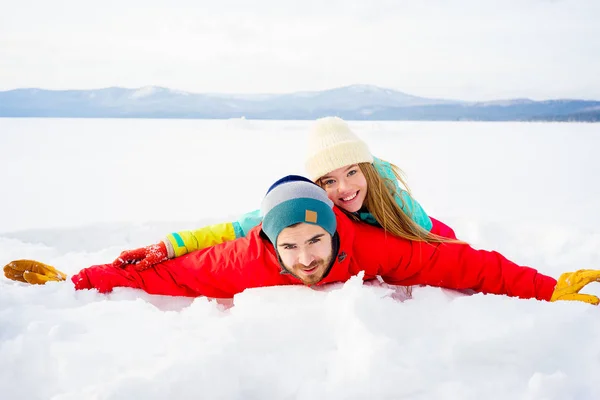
pixel 294 199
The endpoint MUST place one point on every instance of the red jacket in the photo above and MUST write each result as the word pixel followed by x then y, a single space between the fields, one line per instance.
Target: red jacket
pixel 441 229
pixel 223 270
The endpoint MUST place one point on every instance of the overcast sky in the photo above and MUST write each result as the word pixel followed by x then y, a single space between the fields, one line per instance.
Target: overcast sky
pixel 462 49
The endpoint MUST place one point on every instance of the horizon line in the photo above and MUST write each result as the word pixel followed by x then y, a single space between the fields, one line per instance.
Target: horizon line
pixel 298 92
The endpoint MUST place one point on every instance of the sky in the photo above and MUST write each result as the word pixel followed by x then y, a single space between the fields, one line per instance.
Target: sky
pixel 76 192
pixel 462 49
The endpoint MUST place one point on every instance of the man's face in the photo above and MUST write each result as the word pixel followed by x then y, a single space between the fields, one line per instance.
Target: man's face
pixel 305 250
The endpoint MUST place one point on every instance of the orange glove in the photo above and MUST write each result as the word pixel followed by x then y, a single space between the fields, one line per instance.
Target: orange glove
pixel 142 258
pixel 33 272
pixel 570 283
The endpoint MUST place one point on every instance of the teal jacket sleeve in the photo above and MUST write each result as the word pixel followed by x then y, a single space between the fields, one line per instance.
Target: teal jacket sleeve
pixel 246 222
pixel 408 204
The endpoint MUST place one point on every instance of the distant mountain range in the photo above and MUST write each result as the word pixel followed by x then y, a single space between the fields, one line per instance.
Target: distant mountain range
pixel 355 102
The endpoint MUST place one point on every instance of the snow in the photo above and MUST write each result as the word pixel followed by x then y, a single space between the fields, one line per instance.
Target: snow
pixel 148 91
pixel 77 192
pixel 144 92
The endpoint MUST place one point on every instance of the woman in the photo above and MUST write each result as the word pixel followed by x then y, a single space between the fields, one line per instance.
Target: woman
pixel 364 187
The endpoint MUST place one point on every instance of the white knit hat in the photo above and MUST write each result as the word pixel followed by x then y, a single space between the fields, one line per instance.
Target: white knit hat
pixel 332 145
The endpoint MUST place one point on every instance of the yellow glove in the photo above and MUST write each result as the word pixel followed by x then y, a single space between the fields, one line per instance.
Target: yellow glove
pixel 570 283
pixel 33 272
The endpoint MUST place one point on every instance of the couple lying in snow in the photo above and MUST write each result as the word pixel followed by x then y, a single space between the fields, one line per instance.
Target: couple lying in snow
pixel 374 226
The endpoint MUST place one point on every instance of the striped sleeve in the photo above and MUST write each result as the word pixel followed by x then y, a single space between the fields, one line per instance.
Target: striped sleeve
pixel 180 243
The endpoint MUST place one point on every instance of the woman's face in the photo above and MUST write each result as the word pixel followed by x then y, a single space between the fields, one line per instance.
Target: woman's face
pixel 346 187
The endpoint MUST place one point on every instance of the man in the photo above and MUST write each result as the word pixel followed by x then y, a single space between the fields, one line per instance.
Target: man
pixel 304 240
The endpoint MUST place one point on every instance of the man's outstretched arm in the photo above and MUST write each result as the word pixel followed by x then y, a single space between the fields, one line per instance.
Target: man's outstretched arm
pixel 459 266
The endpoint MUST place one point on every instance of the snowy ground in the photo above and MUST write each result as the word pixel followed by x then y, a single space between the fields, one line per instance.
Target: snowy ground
pixel 77 192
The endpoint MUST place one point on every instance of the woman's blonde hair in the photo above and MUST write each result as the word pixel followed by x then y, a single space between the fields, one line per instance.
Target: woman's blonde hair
pixel 380 201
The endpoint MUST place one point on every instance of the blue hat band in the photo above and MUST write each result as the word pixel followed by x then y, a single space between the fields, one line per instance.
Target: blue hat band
pixel 298 210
